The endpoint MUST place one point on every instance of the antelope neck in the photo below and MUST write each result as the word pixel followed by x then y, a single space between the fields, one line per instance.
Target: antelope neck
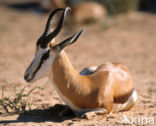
pixel 63 69
pixel 67 82
pixel 65 77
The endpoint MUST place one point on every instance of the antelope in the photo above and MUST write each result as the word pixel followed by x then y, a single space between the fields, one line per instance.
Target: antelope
pixel 98 89
pixel 83 12
pixel 88 12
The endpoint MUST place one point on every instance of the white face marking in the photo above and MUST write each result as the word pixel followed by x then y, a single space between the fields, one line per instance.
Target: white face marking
pixel 39 67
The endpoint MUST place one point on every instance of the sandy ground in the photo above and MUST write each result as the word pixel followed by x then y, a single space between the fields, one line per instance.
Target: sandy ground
pixel 130 39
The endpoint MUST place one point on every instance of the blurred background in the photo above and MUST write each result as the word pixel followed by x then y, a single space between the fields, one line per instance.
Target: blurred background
pixel 115 30
pixel 83 11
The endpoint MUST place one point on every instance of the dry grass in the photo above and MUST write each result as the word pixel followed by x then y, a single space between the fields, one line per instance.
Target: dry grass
pixel 19 104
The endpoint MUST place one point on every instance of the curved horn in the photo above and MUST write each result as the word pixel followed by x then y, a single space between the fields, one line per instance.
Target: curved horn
pixel 47 37
pixel 49 22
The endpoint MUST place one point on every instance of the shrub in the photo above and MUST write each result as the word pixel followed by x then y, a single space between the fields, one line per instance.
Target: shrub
pixel 18 104
pixel 119 6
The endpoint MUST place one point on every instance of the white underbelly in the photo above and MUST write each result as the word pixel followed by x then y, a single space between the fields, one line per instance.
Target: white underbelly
pixel 65 99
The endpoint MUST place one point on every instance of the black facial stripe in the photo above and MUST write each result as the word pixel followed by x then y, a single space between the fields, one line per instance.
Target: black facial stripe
pixel 31 65
pixel 43 58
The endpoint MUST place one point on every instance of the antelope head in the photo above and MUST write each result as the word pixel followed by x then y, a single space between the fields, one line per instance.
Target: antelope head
pixel 47 49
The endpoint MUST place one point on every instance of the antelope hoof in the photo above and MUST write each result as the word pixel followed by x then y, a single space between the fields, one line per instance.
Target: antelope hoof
pixel 88 115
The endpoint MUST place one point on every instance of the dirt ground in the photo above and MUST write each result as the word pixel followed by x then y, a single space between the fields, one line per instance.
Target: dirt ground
pixel 129 39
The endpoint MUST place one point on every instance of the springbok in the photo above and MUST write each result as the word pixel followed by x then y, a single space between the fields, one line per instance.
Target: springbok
pixel 102 89
pixel 88 12
pixel 82 12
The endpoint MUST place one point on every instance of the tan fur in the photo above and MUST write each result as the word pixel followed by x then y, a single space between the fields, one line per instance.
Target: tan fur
pixel 110 82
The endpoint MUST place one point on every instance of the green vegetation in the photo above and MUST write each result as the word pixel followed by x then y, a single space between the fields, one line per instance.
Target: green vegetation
pixel 18 104
pixel 119 6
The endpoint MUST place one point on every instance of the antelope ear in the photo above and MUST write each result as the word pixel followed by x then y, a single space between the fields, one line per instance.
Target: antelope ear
pixel 70 40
